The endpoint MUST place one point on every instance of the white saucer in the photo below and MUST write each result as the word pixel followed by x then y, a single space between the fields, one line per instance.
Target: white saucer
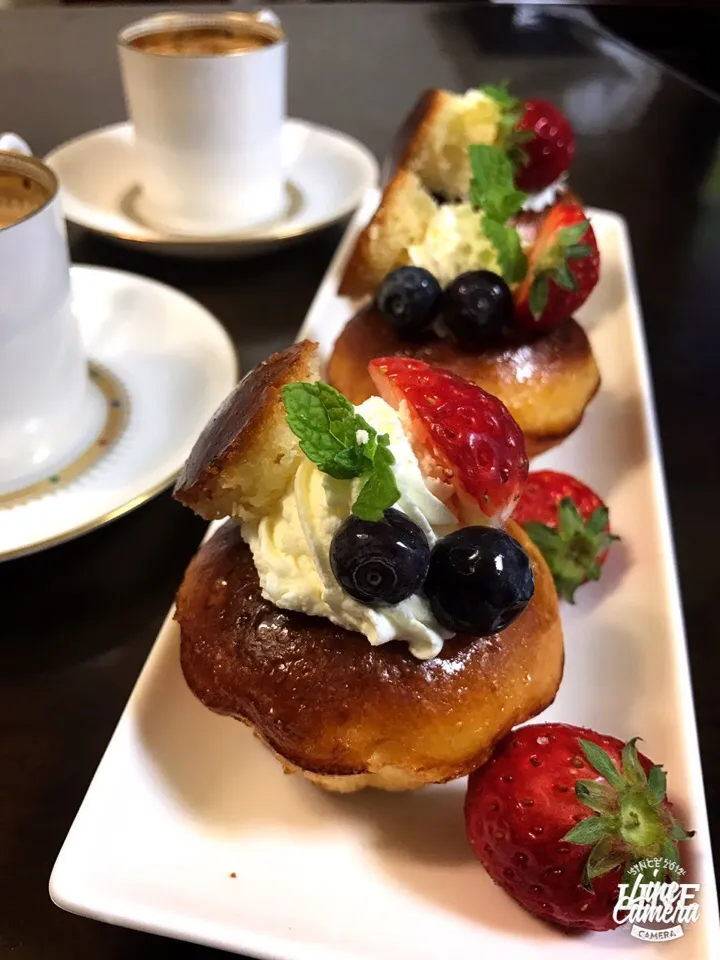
pixel 161 364
pixel 328 174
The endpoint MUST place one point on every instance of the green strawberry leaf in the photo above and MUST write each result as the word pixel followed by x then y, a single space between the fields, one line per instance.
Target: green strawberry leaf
pixel 545 538
pixel 539 292
pixel 669 852
pixel 678 832
pixel 570 522
pixel 600 761
pixel 598 796
pixel 564 277
pixel 632 768
pixel 510 254
pixel 567 236
pixel 591 830
pixel 657 783
pixel 576 251
pixel 604 856
pixel 598 521
pixel 342 444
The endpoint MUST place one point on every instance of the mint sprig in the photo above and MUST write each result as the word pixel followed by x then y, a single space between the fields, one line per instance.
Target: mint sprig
pixel 342 444
pixel 493 191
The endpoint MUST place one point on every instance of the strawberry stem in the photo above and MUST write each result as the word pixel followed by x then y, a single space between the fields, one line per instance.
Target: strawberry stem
pixel 631 822
pixel 574 550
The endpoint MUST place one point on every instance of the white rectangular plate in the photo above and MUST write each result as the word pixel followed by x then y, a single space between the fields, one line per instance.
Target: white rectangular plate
pixel 189 828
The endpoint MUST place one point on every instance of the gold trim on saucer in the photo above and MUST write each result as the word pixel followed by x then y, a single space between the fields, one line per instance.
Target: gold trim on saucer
pixel 117 408
pixel 92 524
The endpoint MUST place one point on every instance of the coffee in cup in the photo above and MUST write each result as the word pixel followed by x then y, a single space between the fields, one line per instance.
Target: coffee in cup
pixel 201 41
pixel 206 96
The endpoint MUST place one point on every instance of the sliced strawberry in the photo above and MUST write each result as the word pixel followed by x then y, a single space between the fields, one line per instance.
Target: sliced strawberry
pixel 563 268
pixel 461 434
pixel 546 150
pixel 536 136
pixel 569 523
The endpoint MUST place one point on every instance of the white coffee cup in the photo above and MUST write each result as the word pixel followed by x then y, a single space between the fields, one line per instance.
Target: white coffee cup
pixel 208 126
pixel 43 372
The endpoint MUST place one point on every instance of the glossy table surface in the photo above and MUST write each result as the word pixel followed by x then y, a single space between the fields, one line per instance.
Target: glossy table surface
pixel 77 621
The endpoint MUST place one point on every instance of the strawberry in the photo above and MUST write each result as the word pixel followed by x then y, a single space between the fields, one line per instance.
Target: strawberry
pixel 536 137
pixel 569 524
pixel 546 153
pixel 462 435
pixel 557 815
pixel 563 268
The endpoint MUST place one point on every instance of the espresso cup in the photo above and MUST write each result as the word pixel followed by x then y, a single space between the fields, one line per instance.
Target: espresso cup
pixel 206 97
pixel 43 372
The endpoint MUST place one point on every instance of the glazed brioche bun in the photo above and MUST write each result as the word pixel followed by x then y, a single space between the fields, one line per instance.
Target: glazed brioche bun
pixel 400 222
pixel 332 707
pixel 433 140
pixel 546 382
pixel 246 455
pixel 343 713
pixel 428 163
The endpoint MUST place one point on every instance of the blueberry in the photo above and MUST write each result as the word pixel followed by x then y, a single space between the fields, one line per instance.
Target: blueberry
pixel 476 306
pixel 479 580
pixel 409 299
pixel 380 562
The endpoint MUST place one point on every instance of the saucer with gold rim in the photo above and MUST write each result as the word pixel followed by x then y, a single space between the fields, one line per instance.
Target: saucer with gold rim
pixel 327 176
pixel 159 366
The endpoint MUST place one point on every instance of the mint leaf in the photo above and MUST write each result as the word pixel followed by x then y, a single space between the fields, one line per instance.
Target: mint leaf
pixel 379 492
pixel 510 254
pixel 331 435
pixel 511 110
pixel 340 413
pixel 326 424
pixel 309 420
pixel 501 95
pixel 493 188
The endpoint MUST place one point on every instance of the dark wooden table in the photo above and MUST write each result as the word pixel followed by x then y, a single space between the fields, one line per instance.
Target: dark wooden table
pixel 77 621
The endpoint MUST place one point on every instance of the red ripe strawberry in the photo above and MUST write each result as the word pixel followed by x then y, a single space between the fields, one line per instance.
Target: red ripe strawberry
pixel 569 524
pixel 557 815
pixel 548 150
pixel 563 268
pixel 463 436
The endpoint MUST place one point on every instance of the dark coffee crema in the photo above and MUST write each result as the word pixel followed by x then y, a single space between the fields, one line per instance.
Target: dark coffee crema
pixel 20 196
pixel 202 41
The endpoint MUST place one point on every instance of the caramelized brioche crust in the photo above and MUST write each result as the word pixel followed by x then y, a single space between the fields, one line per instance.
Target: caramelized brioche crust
pixel 246 454
pixel 545 382
pixel 343 712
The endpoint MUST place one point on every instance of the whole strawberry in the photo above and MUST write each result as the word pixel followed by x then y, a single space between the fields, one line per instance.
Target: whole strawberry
pixel 464 437
pixel 569 524
pixel 563 268
pixel 560 813
pixel 548 149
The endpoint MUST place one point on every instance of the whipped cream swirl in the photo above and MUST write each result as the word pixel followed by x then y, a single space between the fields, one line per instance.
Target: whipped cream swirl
pixel 291 546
